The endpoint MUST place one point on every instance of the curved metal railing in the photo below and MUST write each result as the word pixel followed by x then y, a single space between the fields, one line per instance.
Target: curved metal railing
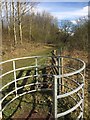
pixel 70 73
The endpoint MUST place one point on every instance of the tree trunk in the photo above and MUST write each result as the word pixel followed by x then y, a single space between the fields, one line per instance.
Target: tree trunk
pixel 7 20
pixel 30 32
pixel 19 20
pixel 14 26
pixel 0 29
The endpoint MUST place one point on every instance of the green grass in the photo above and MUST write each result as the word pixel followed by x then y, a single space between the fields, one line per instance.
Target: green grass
pixel 26 102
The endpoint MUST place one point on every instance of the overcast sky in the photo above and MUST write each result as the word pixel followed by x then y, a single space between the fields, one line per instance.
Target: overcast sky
pixel 65 10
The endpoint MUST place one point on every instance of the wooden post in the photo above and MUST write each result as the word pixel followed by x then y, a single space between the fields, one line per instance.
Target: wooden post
pixel 61 71
pixel 60 80
pixel 62 74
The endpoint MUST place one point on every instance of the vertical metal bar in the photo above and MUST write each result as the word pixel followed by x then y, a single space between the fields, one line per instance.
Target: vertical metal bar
pixel 36 66
pixel 15 77
pixel 0 57
pixel 36 72
pixel 55 98
pixel 83 94
pixel 0 109
pixel 1 94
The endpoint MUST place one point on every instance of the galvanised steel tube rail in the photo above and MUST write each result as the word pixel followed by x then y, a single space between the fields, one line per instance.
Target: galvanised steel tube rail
pixel 36 66
pixel 64 75
pixel 79 87
pixel 19 95
pixel 75 98
pixel 56 97
pixel 70 93
pixel 28 76
pixel 70 110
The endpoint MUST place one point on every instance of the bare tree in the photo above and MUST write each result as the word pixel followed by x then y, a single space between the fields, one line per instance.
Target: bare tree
pixel 22 9
pixel 32 5
pixel 19 20
pixel 0 30
pixel 14 26
pixel 30 20
pixel 14 13
pixel 7 18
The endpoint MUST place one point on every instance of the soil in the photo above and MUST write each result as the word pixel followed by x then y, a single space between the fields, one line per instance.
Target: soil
pixel 35 116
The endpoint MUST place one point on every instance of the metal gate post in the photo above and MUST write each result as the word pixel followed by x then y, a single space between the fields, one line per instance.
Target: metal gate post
pixel 55 97
pixel 0 97
pixel 83 94
pixel 14 68
pixel 36 64
pixel 0 110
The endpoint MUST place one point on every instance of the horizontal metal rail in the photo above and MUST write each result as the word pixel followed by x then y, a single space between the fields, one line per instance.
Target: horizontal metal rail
pixel 37 83
pixel 80 115
pixel 29 75
pixel 32 57
pixel 70 93
pixel 31 84
pixel 23 68
pixel 19 95
pixel 70 110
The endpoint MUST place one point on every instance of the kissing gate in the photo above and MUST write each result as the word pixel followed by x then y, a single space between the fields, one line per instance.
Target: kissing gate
pixel 62 75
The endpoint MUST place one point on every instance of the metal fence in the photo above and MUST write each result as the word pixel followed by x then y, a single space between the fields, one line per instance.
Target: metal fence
pixel 71 72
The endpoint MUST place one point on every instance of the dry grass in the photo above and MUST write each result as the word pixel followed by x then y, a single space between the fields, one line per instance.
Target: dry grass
pixel 30 49
pixel 26 49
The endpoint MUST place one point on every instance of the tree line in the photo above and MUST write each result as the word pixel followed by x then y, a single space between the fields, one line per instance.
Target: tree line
pixel 21 23
pixel 75 36
pixel 12 18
